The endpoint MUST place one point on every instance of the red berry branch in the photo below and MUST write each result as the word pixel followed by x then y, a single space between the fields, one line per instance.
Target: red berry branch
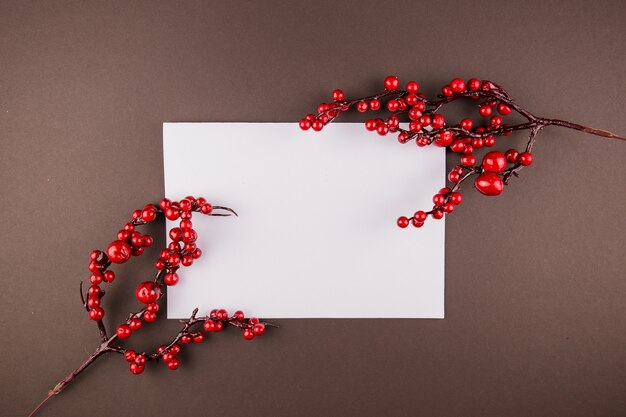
pixel 428 126
pixel 181 252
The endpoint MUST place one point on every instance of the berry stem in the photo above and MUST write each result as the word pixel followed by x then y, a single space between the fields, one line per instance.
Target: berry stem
pixel 102 349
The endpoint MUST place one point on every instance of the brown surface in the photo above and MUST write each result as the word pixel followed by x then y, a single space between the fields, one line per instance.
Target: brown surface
pixel 534 285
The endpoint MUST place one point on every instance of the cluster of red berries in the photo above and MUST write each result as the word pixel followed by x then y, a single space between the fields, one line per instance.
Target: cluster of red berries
pixel 426 125
pixel 182 251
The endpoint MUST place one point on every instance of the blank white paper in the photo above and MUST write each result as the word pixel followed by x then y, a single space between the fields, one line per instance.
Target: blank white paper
pixel 316 235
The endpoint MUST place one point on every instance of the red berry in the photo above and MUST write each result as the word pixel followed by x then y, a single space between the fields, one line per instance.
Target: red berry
pixel 453 176
pixel 198 337
pixel 495 121
pixel 468 160
pixel 124 331
pixel 437 214
pixel 152 307
pixel 375 104
pixel 317 125
pixel 185 339
pixel 489 184
pixel 415 126
pixel 448 208
pixel 338 95
pixel 420 216
pixel 136 369
pixel 305 124
pixel 446 91
pixel 96 313
pixel 391 83
pixel 93 302
pixel 248 334
pixel 438 199
pixel 94 291
pixel 525 158
pixel 392 105
pixel 119 252
pixel 209 326
pixel 485 111
pixel 149 214
pixel 457 85
pixel 170 279
pixel 456 198
pixel 494 161
pixel 129 355
pixel 239 315
pixel 258 329
pixel 172 213
pixel 503 109
pixel 403 222
pixel 444 139
pixel 147 292
pixel 412 87
pixel 473 84
pixel 149 317
pixel 489 141
pixel 206 208
pixel 221 314
pixel 382 129
pixel 511 155
pixel 135 324
pixel 362 106
pixel 173 364
pixel 438 121
pixel 466 124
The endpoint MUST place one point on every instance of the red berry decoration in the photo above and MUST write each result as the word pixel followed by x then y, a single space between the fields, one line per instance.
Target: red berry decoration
pixel 525 158
pixel 489 184
pixel 392 83
pixel 494 162
pixel 119 252
pixel 464 137
pixel 181 252
pixel 148 292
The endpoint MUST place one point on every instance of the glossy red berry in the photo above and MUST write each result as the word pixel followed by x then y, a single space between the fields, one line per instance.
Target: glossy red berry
pixel 473 84
pixel 391 83
pixel 511 155
pixel 438 121
pixel 135 324
pixel 149 317
pixel 468 160
pixel 456 198
pixel 129 355
pixel 124 331
pixel 119 251
pixel 96 313
pixel 338 95
pixel 402 222
pixel 136 369
pixel 494 161
pixel 485 111
pixel 248 334
pixel 412 87
pixel 466 124
pixel 362 106
pixel 147 292
pixel 375 104
pixel 173 364
pixel 171 279
pixel 392 105
pixel 258 329
pixel 420 216
pixel 382 129
pixel 525 158
pixel 305 124
pixel 503 109
pixel 457 85
pixel 489 183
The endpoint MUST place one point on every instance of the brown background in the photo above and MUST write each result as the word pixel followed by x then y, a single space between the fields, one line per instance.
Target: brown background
pixel 534 279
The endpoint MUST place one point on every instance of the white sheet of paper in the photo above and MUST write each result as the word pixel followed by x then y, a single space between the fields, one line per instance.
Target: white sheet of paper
pixel 316 235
